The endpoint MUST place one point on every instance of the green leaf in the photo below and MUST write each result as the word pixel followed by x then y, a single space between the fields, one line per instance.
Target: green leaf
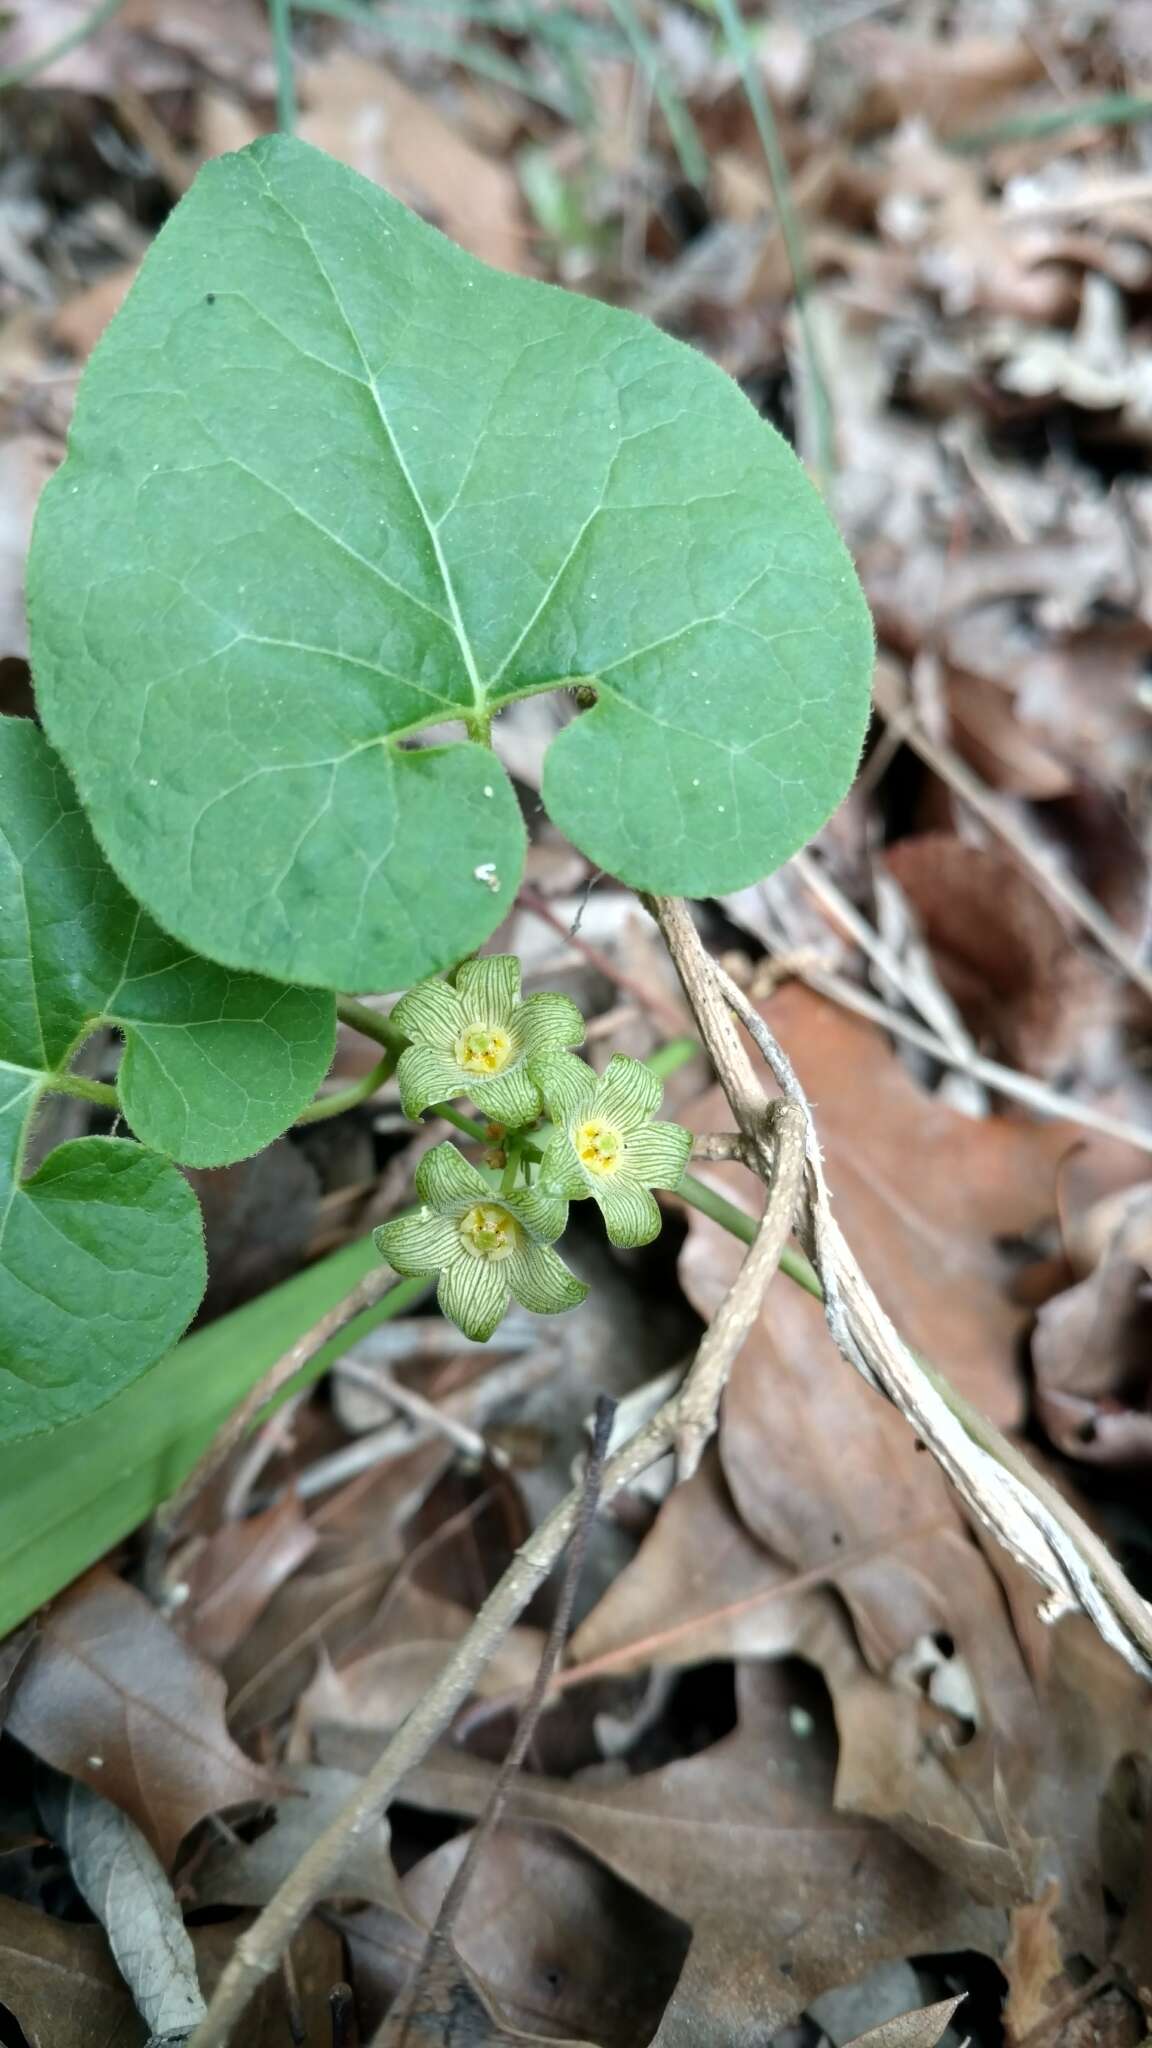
pixel 101 1268
pixel 101 1250
pixel 216 1065
pixel 332 481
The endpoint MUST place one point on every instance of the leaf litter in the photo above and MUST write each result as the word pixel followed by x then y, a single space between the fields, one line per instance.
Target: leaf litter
pixel 809 1737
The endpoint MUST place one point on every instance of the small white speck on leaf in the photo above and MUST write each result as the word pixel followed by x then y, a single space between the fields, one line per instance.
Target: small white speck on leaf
pixel 488 789
pixel 486 873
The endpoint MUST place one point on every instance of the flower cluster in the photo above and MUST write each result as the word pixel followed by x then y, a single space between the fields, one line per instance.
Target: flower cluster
pixel 476 1037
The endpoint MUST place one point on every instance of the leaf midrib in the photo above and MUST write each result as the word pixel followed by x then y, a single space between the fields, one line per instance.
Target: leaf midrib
pixel 479 693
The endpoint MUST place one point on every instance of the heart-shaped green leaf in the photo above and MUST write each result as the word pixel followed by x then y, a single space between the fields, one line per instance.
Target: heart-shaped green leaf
pixel 101 1251
pixel 216 1064
pixel 101 1270
pixel 333 481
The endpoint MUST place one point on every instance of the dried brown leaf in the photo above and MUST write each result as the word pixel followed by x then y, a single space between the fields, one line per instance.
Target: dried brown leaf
pixel 1007 959
pixel 784 1897
pixel 61 1983
pixel 234 1574
pixel 240 1873
pixel 359 112
pixel 112 1696
pixel 558 1943
pixel 921 2029
pixel 1091 1350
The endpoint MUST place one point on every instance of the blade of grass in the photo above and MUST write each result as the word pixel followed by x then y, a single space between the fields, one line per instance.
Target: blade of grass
pixel 681 127
pixel 280 17
pixel 470 56
pixel 736 35
pixel 19 74
pixel 67 1497
pixel 1114 110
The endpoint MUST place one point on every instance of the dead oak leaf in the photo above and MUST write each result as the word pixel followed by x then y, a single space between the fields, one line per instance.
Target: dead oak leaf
pixel 785 1897
pixel 112 1696
pixel 925 1196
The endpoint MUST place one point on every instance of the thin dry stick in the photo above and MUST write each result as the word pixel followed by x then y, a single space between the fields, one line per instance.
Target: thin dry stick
pixel 997 1482
pixel 440 1937
pixel 700 1400
pixel 923 993
pixel 370 1290
pixel 417 1408
pixel 1003 1080
pixel 651 999
pixel 1062 888
pixel 257 1951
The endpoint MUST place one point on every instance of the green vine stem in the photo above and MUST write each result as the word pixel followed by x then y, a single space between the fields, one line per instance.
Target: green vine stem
pixel 350 1097
pixel 370 1024
pixel 103 1092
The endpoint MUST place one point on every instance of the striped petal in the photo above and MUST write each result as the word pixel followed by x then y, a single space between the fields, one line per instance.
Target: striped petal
pixel 547 1023
pixel 417 1244
pixel 569 1085
pixel 489 987
pixel 425 1075
pixel 630 1214
pixel 510 1098
pixel 628 1095
pixel 657 1155
pixel 430 1014
pixel 561 1172
pixel 542 1211
pixel 541 1282
pixel 473 1294
pixel 446 1182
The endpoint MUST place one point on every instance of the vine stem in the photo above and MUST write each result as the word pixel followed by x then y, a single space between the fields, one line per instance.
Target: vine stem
pixel 103 1092
pixel 350 1097
pixel 370 1024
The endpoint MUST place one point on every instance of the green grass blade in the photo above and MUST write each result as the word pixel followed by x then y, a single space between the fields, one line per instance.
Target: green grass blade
pixel 68 1496
pixel 1114 110
pixel 280 17
pixel 736 34
pixel 681 127
pixel 19 74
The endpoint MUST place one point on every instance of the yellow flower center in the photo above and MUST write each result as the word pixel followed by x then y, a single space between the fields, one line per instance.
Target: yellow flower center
pixel 598 1146
pixel 484 1050
pixel 489 1232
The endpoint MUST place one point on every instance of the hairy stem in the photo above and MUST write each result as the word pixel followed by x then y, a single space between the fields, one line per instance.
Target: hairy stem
pixel 103 1092
pixel 370 1023
pixel 350 1097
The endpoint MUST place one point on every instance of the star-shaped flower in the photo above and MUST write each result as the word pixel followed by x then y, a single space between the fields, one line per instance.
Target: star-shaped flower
pixel 484 1245
pixel 475 1037
pixel 606 1144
